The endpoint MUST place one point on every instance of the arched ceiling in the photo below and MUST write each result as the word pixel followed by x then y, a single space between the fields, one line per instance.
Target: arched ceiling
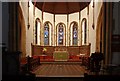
pixel 61 7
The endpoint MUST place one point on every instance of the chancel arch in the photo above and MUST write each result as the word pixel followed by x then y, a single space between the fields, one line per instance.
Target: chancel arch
pixel 48 33
pixel 84 31
pixel 73 33
pixel 37 31
pixel 61 34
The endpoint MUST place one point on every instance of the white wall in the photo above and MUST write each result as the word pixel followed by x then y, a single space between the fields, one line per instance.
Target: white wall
pixel 84 15
pixel 38 14
pixel 48 17
pixel 29 32
pixel 24 8
pixel 60 18
pixel 74 17
pixel 92 32
pixel 97 7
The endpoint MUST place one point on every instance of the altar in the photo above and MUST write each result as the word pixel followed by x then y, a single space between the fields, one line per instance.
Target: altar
pixel 60 56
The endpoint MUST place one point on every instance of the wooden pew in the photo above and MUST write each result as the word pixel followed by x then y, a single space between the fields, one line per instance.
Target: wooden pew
pixel 30 63
pixel 33 62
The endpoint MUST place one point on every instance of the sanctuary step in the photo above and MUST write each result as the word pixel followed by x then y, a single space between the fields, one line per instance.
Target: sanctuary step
pixel 59 79
pixel 61 62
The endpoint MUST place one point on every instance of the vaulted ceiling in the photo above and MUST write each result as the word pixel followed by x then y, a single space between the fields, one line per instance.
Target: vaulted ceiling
pixel 61 7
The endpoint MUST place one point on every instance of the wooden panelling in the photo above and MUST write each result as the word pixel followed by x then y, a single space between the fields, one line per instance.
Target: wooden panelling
pixel 85 49
pixel 36 50
pixel 72 50
pixel 60 48
pixel 50 50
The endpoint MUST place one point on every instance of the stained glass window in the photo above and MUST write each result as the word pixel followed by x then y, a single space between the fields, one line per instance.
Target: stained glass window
pixel 75 34
pixel 60 34
pixel 46 34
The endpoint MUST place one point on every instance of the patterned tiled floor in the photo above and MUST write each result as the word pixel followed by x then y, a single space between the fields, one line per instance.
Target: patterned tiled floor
pixel 60 70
